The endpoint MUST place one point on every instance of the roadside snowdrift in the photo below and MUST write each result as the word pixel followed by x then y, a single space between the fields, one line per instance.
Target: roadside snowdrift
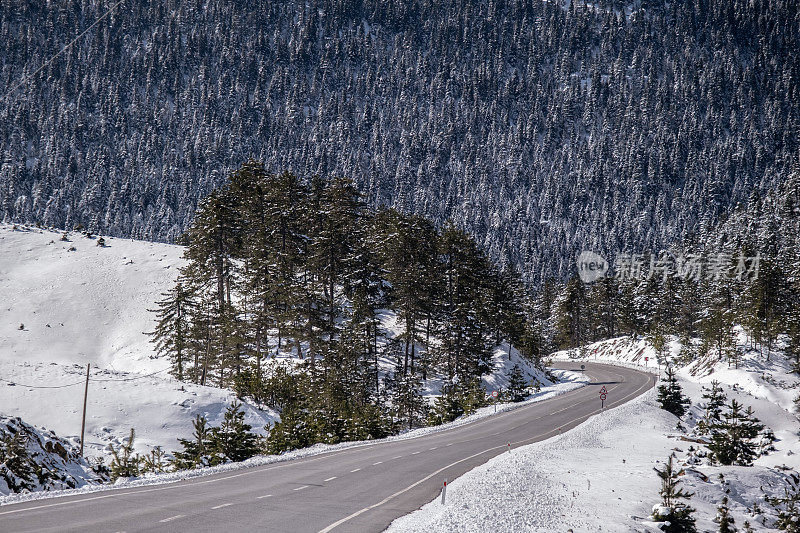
pixel 599 476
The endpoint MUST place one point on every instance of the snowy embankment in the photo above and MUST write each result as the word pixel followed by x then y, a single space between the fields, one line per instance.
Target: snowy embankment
pixel 599 476
pixel 40 459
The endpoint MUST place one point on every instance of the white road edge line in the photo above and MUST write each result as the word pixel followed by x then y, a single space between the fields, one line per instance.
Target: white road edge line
pixel 378 463
pixel 222 505
pixel 171 518
pixel 330 478
pixel 356 470
pixel 301 488
pixel 264 496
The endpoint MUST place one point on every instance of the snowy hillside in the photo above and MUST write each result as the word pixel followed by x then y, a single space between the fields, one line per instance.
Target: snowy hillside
pixel 80 303
pixel 69 303
pixel 573 481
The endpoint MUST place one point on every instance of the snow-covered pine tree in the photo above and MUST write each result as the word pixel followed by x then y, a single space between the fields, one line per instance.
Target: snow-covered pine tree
pixel 233 440
pixel 670 394
pixel 517 387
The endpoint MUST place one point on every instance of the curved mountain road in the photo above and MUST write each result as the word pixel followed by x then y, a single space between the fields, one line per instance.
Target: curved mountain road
pixel 357 489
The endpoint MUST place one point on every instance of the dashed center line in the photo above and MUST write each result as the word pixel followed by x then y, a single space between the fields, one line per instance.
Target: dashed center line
pixel 264 496
pixel 434 448
pixel 331 478
pixel 171 518
pixel 301 488
pixel 356 470
pixel 450 444
pixel 222 505
pixel 378 463
pixel 398 457
pixel 415 453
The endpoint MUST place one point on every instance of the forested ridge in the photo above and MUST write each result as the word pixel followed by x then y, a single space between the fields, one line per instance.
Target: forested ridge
pixel 538 128
pixel 744 273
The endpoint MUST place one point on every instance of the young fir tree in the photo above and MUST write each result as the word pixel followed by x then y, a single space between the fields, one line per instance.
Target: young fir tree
pixel 124 462
pixel 670 394
pixel 674 514
pixel 732 439
pixel 195 452
pixel 712 407
pixel 517 388
pixel 154 461
pixel 233 440
pixel 787 506
pixel 173 327
pixel 724 518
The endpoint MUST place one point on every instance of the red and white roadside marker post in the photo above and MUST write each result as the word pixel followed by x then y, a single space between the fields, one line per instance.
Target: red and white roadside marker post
pixel 444 490
pixel 494 395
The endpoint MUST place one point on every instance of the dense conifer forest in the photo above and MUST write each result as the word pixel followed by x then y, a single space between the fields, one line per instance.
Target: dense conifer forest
pixel 541 128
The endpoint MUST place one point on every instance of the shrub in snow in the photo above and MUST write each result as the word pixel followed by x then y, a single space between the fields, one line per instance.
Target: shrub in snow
pixel 787 505
pixel 675 516
pixel 231 441
pixel 124 462
pixel 724 518
pixel 33 459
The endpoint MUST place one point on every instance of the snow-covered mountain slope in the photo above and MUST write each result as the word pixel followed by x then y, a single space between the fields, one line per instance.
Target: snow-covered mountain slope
pixel 575 480
pixel 74 302
pixel 80 303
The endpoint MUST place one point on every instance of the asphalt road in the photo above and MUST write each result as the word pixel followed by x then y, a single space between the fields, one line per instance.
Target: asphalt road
pixel 358 489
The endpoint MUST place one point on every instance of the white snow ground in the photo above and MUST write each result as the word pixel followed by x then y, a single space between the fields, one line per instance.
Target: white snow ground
pixel 599 476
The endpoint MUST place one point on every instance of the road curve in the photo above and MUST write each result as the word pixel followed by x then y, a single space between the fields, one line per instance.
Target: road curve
pixel 357 489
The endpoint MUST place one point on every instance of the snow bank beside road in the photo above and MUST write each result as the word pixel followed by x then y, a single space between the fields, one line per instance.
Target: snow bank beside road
pixel 577 480
pixel 596 477
pixel 599 476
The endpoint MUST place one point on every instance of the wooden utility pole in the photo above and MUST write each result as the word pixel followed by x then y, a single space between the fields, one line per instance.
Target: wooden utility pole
pixel 85 396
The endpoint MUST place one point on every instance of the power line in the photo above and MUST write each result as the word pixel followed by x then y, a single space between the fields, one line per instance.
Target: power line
pixel 95 380
pixel 68 45
pixel 41 386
